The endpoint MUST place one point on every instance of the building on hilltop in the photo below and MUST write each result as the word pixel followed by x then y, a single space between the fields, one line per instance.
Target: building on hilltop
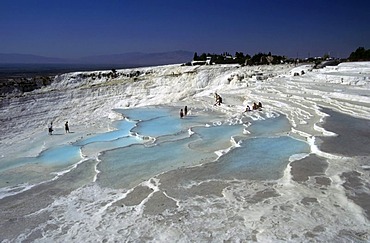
pixel 206 62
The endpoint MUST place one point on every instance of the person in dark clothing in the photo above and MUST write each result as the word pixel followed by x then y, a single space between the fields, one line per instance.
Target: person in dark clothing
pixel 66 127
pixel 51 128
pixel 181 114
pixel 186 111
pixel 255 106
pixel 219 100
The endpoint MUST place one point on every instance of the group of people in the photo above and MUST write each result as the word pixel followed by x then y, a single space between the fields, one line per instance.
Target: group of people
pixel 254 107
pixel 184 112
pixel 50 129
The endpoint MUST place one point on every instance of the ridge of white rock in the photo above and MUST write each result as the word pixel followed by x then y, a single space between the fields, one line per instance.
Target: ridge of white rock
pixel 86 99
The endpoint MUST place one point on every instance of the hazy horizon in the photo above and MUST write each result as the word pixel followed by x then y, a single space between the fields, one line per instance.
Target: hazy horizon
pixel 74 29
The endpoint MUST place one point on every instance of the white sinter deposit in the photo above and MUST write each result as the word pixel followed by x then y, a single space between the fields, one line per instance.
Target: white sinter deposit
pixel 283 210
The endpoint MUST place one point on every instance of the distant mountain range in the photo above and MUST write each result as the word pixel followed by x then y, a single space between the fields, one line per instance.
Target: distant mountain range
pixel 128 59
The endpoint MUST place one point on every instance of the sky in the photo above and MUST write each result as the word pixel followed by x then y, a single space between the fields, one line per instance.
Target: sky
pixel 78 28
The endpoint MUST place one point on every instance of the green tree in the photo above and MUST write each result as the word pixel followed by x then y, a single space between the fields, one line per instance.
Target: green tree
pixel 239 55
pixel 203 57
pixel 195 58
pixel 361 54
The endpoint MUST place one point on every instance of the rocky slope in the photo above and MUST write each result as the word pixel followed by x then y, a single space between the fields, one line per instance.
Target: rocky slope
pixel 87 98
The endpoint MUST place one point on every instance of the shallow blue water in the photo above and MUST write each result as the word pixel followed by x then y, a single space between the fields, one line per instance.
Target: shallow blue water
pixel 100 146
pixel 263 154
pixel 270 127
pixel 260 158
pixel 159 126
pixel 215 138
pixel 54 157
pixel 144 113
pixel 123 129
pixel 59 158
pixel 127 166
pixel 127 156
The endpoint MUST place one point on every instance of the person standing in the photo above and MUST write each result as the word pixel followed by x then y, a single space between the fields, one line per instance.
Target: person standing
pixel 217 98
pixel 186 111
pixel 51 128
pixel 66 127
pixel 181 114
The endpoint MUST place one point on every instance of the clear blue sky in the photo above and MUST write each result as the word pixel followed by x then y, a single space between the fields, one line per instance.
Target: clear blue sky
pixel 75 28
